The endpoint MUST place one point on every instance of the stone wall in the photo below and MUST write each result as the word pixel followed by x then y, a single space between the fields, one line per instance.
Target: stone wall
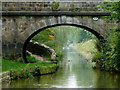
pixel 4 76
pixel 16 30
pixel 52 6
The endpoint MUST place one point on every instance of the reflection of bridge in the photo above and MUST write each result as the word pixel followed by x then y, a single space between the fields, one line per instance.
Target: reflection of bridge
pixel 21 21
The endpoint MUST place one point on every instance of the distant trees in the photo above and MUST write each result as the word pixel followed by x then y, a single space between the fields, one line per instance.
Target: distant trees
pixel 45 35
pixel 57 37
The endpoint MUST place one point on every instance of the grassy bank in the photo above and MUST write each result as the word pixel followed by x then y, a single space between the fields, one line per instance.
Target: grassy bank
pixel 25 70
pixel 87 49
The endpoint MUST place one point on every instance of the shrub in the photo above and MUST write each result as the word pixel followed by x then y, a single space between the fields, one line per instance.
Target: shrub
pixel 31 59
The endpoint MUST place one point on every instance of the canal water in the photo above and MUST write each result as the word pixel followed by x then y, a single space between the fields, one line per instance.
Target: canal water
pixel 74 72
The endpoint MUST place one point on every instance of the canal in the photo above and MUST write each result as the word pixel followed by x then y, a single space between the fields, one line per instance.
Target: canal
pixel 74 72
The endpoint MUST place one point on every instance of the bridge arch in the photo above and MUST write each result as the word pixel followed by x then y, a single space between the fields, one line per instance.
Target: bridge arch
pixel 21 28
pixel 19 24
pixel 100 37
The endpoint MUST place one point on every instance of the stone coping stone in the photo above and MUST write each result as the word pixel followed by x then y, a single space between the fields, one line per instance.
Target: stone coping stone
pixel 58 0
pixel 55 13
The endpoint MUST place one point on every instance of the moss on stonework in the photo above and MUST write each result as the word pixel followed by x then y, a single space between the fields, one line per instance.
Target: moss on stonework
pixel 56 6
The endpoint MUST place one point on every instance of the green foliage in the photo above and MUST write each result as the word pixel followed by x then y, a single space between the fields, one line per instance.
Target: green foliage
pixel 114 9
pixel 87 49
pixel 22 70
pixel 61 35
pixel 56 6
pixel 50 43
pixel 13 65
pixel 84 36
pixel 110 59
pixel 59 56
pixel 73 9
pixel 42 36
pixel 46 36
pixel 31 59
pixel 96 57
pixel 112 52
pixel 97 54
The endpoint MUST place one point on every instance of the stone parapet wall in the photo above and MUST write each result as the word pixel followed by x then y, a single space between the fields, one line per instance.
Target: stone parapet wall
pixel 51 6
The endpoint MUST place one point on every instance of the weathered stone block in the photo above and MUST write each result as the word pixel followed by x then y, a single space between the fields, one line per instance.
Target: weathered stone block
pixel 85 21
pixel 51 21
pixel 76 20
pixel 69 20
pixel 63 18
pixel 43 23
pixel 89 22
pixel 59 21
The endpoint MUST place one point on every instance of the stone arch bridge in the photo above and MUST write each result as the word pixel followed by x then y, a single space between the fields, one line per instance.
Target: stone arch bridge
pixel 21 20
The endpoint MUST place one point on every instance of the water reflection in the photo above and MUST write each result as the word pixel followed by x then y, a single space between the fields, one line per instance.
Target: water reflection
pixel 74 72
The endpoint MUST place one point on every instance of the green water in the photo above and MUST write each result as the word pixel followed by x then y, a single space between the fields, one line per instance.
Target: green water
pixel 77 73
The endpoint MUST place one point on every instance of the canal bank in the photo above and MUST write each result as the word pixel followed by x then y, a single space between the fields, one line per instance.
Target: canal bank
pixel 87 49
pixel 15 70
pixel 74 72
